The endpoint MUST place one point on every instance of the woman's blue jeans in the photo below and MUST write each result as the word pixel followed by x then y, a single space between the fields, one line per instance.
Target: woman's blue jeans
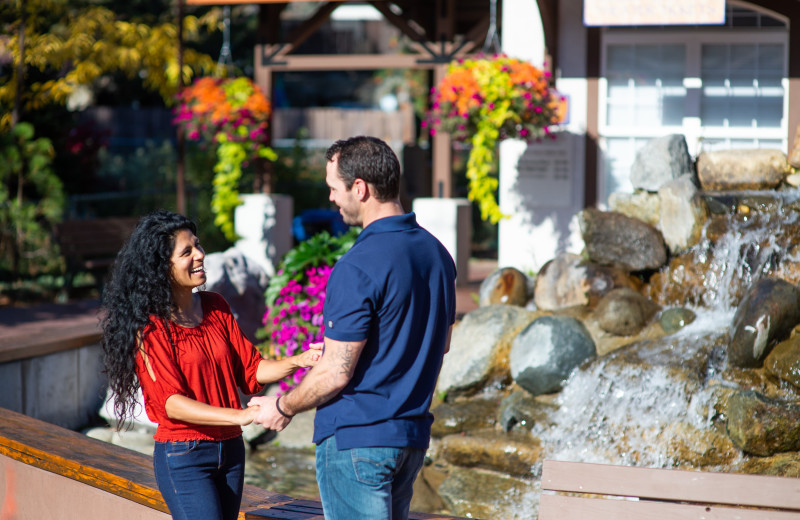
pixel 366 483
pixel 201 479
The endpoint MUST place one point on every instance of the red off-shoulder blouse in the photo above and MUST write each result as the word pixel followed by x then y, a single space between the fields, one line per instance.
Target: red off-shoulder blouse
pixel 209 363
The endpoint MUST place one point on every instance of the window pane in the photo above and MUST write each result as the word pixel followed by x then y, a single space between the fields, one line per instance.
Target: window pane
pixel 645 84
pixel 742 85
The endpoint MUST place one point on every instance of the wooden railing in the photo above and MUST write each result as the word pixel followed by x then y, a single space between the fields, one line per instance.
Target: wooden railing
pixel 53 472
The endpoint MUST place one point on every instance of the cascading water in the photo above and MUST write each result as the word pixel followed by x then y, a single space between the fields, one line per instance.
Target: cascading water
pixel 635 406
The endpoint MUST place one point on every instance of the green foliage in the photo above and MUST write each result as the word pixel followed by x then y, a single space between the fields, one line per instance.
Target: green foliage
pixel 319 250
pixel 300 171
pixel 231 155
pixel 31 200
pixel 148 173
pixel 70 48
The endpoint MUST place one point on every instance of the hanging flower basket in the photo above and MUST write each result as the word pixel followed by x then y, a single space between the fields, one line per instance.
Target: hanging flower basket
pixel 485 100
pixel 232 114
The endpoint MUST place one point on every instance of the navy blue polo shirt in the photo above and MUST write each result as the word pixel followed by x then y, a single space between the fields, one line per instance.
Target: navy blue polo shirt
pixel 395 288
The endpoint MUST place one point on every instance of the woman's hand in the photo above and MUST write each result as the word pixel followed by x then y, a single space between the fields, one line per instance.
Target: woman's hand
pixel 310 357
pixel 271 370
pixel 249 414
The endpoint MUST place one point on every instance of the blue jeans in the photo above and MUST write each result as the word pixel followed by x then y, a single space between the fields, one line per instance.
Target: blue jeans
pixel 366 483
pixel 201 479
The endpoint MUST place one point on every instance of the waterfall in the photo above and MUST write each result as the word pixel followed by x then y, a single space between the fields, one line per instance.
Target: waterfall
pixel 632 406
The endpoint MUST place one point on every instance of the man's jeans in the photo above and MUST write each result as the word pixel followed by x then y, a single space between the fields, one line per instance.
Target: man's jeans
pixel 366 483
pixel 201 479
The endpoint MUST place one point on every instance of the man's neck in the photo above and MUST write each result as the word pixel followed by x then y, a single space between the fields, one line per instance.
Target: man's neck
pixel 381 210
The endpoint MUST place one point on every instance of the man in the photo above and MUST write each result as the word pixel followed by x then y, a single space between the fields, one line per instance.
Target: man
pixel 389 309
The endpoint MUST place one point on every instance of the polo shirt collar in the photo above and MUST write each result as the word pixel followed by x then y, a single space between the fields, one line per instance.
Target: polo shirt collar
pixel 389 224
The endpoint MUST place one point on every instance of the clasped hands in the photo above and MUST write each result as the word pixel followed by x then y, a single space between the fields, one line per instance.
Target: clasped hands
pixel 266 407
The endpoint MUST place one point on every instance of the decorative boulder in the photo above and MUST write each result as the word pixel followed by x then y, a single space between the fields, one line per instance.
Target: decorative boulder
pixel 766 315
pixel 545 352
pixel 508 286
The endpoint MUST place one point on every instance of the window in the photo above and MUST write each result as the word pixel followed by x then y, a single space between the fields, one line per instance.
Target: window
pixel 721 87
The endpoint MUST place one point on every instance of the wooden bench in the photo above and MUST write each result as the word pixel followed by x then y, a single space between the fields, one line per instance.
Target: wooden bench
pixel 52 472
pixel 576 490
pixel 91 245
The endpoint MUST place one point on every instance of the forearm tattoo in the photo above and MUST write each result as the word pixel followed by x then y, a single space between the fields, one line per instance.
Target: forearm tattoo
pixel 314 391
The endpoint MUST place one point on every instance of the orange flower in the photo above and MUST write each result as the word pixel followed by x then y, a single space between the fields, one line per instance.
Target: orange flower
pixel 211 106
pixel 473 88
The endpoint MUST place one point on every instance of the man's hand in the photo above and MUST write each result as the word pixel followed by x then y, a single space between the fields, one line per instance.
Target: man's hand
pixel 268 416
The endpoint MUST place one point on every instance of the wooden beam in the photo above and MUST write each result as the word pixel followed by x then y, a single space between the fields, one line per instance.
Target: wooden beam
pixel 441 147
pixel 442 178
pixel 398 21
pixel 477 35
pixel 310 26
pixel 314 62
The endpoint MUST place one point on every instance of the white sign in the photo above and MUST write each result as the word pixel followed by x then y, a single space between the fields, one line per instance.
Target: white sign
pixel 545 174
pixel 653 12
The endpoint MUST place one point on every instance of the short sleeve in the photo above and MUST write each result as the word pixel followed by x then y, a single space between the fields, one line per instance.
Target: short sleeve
pixel 350 302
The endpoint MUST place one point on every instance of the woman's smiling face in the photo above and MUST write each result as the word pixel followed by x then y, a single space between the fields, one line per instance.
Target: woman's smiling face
pixel 187 261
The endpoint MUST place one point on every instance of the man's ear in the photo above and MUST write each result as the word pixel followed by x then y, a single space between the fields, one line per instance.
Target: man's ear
pixel 361 189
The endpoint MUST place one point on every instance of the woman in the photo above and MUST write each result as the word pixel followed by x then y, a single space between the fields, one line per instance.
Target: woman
pixel 187 352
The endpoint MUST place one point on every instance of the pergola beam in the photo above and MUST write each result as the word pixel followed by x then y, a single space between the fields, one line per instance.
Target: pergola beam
pixel 347 62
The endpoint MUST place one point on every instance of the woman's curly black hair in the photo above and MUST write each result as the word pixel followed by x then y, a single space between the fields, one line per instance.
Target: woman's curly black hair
pixel 138 289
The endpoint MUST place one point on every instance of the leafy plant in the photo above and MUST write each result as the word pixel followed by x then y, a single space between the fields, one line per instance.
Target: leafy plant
pixel 232 114
pixel 488 99
pixel 31 199
pixel 296 296
pixel 69 49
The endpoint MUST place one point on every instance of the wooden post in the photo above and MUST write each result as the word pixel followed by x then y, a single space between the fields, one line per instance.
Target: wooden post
pixel 441 146
pixel 180 181
pixel 442 153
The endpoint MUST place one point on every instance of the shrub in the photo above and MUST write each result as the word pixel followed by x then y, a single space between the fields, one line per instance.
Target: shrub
pixel 295 298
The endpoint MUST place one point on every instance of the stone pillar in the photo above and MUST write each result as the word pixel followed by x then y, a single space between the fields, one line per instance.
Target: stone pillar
pixel 265 224
pixel 450 221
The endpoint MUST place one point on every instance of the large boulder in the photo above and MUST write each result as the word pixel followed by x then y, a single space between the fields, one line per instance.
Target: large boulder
pixel 545 352
pixel 625 312
pixel 613 238
pixel 766 315
pixel 683 214
pixel 479 348
pixel 659 161
pixel 757 169
pixel 762 426
pixel 507 285
pixel 569 281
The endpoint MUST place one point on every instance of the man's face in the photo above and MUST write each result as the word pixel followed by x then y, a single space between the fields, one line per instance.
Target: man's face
pixel 345 199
